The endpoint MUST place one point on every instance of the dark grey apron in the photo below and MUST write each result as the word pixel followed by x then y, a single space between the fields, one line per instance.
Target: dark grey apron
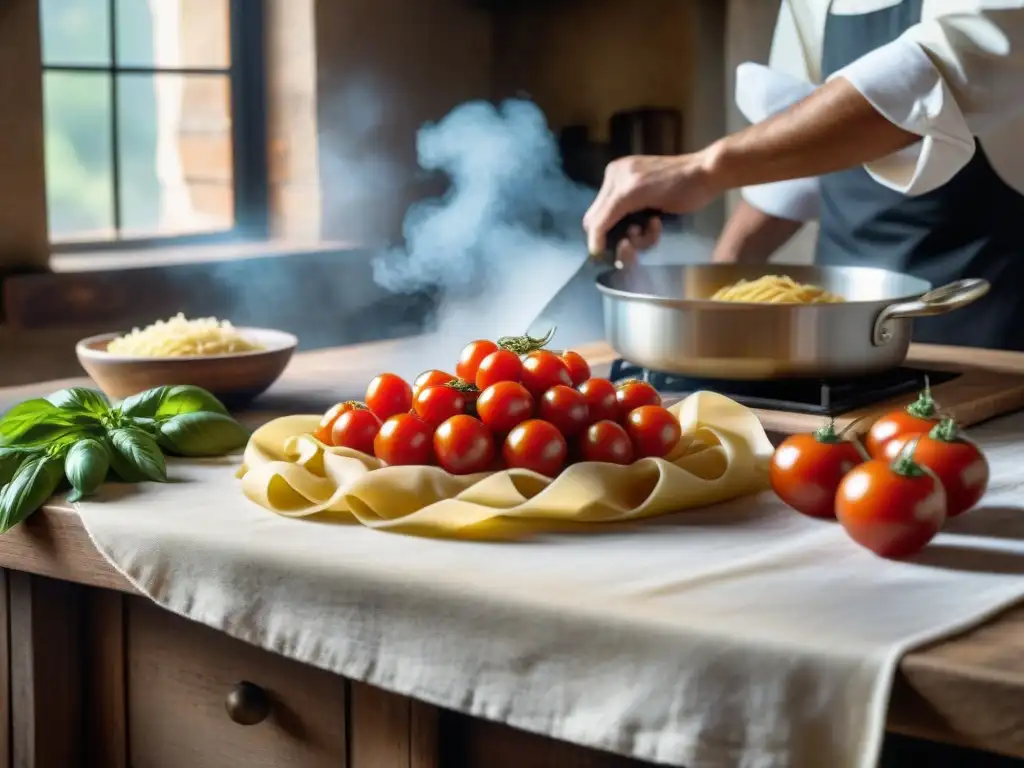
pixel 970 227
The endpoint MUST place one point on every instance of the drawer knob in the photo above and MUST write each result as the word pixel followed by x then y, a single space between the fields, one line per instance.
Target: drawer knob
pixel 247 704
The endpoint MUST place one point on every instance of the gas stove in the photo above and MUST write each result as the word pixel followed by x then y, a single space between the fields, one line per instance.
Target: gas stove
pixel 820 397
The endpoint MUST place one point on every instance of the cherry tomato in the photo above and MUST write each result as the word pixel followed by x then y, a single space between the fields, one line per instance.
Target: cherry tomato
pixel 323 432
pixel 438 404
pixel 916 419
pixel 565 408
pixel 463 445
pixel 606 441
pixel 472 355
pixel 404 439
pixel 498 366
pixel 387 395
pixel 806 470
pixel 535 445
pixel 653 430
pixel 631 394
pixel 958 463
pixel 601 401
pixel 892 508
pixel 543 370
pixel 579 369
pixel 504 405
pixel 357 430
pixel 431 378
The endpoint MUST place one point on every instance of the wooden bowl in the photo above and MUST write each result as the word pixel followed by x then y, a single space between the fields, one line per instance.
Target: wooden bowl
pixel 234 378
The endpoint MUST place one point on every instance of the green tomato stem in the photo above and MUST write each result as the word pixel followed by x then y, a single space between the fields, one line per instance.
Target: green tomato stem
pixel 523 345
pixel 904 464
pixel 827 433
pixel 945 431
pixel 925 406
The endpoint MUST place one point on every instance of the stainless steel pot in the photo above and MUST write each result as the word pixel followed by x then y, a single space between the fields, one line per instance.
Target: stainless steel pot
pixel 662 318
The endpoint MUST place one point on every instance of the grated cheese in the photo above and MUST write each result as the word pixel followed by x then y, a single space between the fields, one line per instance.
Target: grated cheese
pixel 180 337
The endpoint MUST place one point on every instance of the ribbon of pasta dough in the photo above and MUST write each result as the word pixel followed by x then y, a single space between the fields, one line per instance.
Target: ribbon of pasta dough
pixel 724 453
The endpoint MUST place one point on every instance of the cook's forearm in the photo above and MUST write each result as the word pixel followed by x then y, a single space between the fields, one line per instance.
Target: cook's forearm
pixel 832 129
pixel 751 236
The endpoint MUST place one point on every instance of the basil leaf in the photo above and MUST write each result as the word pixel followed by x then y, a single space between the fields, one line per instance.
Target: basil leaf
pixel 39 417
pixel 202 434
pixel 140 452
pixel 11 460
pixel 188 399
pixel 86 466
pixel 144 404
pixel 82 400
pixel 33 484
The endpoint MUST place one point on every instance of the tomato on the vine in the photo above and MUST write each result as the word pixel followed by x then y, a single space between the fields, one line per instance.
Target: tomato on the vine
pixel 438 404
pixel 323 431
pixel 501 365
pixel 431 378
pixel 565 408
pixel 543 370
pixel 463 445
pixel 404 439
pixel 535 445
pixel 472 355
pixel 892 508
pixel 806 470
pixel 601 400
pixel 387 395
pixel 632 394
pixel 356 429
pixel 579 369
pixel 504 405
pixel 916 419
pixel 606 441
pixel 958 463
pixel 653 430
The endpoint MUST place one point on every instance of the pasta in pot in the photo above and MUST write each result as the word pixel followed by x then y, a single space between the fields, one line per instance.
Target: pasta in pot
pixel 775 289
pixel 180 337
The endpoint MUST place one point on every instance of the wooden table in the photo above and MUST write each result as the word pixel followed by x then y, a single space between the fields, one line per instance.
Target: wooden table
pixel 968 690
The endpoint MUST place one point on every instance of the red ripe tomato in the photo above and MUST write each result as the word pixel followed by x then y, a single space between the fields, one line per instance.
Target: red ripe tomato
pixel 472 355
pixel 916 419
pixel 543 370
pixel 579 370
pixel 504 405
pixel 653 430
pixel 806 470
pixel 438 404
pixel 565 408
pixel 431 378
pixel 535 445
pixel 387 395
pixel 958 463
pixel 498 366
pixel 323 431
pixel 631 394
pixel 404 439
pixel 463 445
pixel 894 509
pixel 606 441
pixel 357 430
pixel 601 401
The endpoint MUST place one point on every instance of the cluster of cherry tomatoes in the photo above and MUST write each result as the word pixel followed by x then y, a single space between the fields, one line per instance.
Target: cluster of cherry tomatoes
pixel 895 493
pixel 510 403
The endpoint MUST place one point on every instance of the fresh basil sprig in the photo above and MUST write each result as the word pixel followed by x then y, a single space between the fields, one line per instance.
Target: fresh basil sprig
pixel 75 437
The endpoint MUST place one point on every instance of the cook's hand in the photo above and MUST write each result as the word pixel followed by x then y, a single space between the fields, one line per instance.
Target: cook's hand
pixel 638 239
pixel 674 184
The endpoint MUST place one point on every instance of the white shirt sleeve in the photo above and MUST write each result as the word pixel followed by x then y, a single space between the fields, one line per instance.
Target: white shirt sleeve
pixel 948 79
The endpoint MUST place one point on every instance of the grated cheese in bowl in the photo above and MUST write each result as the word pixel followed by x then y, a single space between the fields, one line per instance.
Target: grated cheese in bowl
pixel 181 337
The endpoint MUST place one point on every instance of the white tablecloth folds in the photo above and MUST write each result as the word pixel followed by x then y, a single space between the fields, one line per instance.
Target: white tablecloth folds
pixel 738 636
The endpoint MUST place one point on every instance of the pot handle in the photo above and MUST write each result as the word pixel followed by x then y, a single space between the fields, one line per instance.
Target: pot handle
pixel 939 301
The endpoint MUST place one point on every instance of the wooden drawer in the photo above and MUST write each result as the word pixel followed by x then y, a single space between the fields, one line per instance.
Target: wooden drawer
pixel 179 675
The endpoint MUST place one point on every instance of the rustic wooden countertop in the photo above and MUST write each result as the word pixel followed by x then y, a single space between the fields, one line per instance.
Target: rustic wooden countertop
pixel 967 690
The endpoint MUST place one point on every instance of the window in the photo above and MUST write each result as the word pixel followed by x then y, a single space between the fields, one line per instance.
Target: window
pixel 155 121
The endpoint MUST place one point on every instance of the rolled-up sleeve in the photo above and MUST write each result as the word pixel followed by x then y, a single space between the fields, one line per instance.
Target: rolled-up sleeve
pixel 947 79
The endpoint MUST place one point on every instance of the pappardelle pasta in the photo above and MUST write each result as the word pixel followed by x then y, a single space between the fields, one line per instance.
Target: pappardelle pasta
pixel 775 289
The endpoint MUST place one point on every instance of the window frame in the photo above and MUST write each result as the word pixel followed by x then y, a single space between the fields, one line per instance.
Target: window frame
pixel 248 113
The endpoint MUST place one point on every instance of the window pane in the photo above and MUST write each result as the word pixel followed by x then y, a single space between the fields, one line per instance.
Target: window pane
pixel 75 32
pixel 173 34
pixel 175 154
pixel 79 180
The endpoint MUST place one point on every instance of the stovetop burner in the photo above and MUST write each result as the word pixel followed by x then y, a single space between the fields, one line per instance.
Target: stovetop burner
pixel 826 397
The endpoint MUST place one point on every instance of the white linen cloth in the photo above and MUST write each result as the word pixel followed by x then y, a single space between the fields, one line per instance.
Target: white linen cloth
pixel 740 636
